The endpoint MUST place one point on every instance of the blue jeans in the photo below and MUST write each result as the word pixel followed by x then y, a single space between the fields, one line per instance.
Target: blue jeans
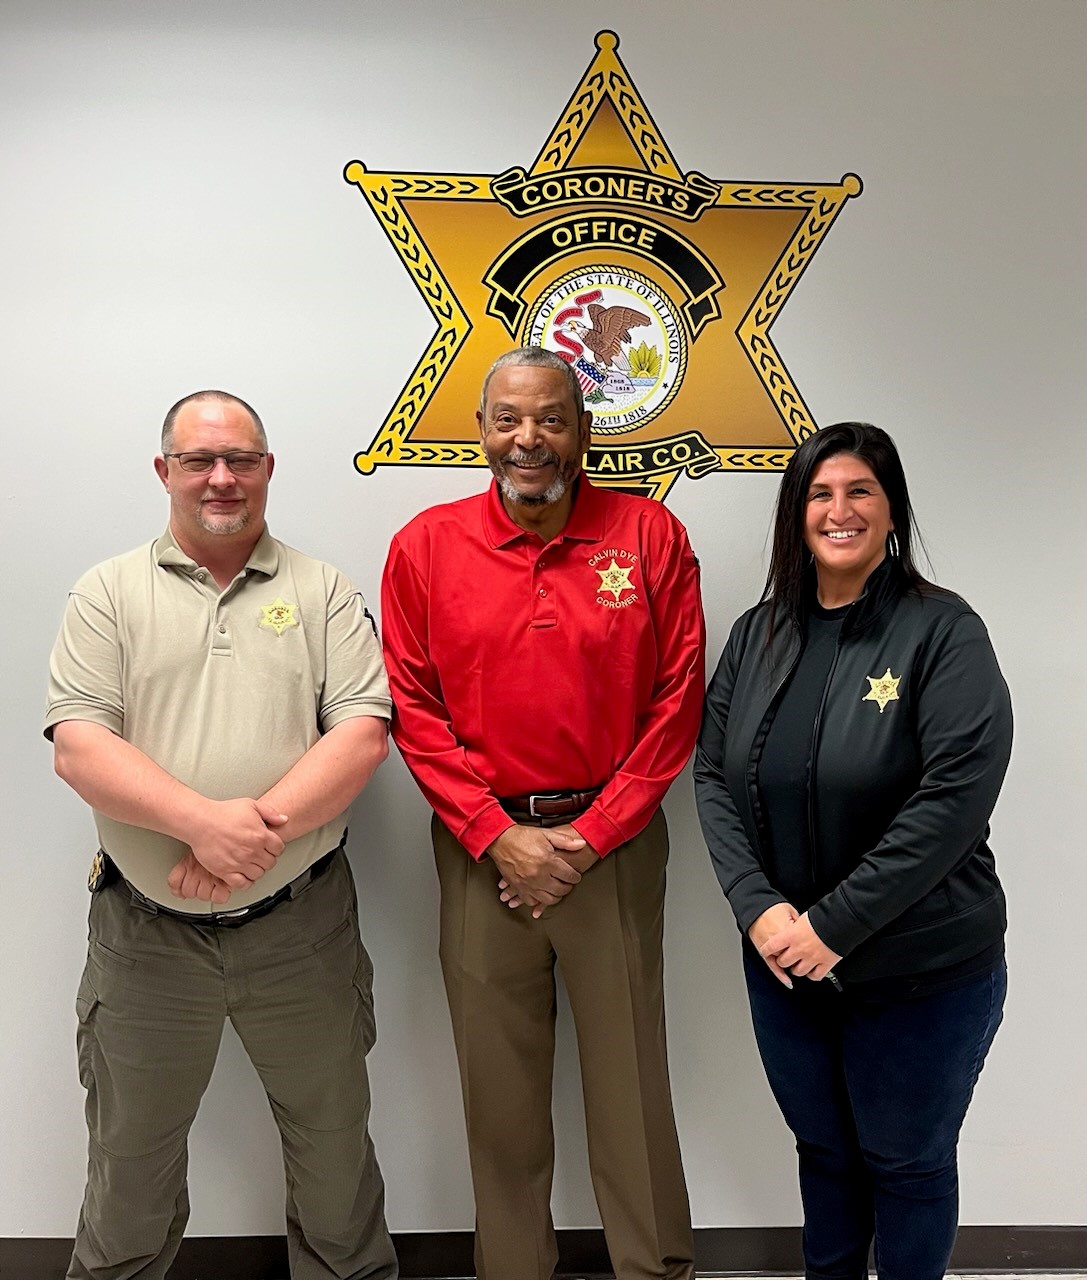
pixel 875 1092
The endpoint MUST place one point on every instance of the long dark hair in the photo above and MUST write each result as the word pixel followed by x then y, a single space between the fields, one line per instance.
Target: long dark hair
pixel 790 557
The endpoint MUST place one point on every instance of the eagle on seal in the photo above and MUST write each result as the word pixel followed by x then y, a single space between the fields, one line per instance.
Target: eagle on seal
pixel 611 327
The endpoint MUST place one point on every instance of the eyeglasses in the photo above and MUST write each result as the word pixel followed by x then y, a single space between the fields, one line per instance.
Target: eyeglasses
pixel 237 460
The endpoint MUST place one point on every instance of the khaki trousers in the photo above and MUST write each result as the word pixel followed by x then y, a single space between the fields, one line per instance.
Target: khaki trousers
pixel 296 984
pixel 606 937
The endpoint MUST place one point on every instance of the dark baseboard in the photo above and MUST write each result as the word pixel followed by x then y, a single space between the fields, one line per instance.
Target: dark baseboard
pixel 581 1253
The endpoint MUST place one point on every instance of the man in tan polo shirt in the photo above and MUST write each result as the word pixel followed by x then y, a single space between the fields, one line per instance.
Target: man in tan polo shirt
pixel 219 699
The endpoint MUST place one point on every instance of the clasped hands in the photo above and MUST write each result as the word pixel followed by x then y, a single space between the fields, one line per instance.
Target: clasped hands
pixel 790 946
pixel 234 843
pixel 540 865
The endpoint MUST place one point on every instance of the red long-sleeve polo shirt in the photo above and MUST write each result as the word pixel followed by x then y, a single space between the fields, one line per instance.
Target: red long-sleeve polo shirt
pixel 519 667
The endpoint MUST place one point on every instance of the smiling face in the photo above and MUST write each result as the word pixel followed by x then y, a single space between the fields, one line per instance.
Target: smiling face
pixel 209 507
pixel 847 518
pixel 533 438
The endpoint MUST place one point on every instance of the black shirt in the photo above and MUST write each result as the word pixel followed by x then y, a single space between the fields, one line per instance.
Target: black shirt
pixel 785 764
pixel 784 782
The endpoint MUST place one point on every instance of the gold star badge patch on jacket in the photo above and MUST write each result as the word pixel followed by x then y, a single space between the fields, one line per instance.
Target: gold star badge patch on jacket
pixel 883 690
pixel 659 287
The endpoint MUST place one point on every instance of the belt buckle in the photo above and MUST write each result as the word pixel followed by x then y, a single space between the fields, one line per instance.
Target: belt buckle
pixel 543 795
pixel 239 914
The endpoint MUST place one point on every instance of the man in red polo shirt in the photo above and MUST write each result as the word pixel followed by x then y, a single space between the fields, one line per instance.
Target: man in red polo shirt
pixel 545 648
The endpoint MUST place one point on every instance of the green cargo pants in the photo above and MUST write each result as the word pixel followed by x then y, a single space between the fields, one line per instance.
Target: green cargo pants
pixel 296 984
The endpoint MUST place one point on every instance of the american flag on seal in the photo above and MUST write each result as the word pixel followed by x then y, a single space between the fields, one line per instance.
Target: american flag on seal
pixel 587 374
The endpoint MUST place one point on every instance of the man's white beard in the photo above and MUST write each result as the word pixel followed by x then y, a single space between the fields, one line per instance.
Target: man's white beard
pixel 554 492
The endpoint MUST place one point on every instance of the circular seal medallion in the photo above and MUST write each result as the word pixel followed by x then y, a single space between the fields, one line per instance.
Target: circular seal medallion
pixel 623 339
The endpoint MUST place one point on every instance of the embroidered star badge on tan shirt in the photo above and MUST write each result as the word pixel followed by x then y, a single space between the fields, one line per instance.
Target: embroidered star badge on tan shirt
pixel 279 615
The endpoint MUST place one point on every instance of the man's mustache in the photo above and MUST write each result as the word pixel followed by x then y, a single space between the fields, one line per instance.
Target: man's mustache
pixel 535 458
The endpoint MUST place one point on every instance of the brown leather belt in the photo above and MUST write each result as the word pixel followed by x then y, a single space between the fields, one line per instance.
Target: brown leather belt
pixel 550 804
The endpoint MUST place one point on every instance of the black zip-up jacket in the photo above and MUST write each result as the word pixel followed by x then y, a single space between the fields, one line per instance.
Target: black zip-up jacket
pixel 901 786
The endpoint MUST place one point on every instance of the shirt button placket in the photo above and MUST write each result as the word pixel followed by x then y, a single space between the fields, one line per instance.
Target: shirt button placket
pixel 220 636
pixel 543 613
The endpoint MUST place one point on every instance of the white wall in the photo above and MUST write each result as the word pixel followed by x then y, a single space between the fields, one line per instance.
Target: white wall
pixel 173 216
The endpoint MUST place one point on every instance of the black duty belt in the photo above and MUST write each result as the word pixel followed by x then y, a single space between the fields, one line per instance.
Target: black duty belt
pixel 234 919
pixel 550 804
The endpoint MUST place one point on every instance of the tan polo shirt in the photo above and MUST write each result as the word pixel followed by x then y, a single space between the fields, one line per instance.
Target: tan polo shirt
pixel 225 689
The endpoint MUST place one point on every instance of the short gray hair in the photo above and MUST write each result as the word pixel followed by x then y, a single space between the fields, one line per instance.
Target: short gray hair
pixel 539 358
pixel 220 397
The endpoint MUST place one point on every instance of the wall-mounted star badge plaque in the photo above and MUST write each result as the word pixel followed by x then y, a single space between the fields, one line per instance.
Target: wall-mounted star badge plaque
pixel 658 287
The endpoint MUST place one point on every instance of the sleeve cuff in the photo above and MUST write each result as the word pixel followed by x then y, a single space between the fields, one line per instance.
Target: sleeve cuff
pixel 484 829
pixel 598 830
pixel 750 897
pixel 62 711
pixel 837 926
pixel 381 708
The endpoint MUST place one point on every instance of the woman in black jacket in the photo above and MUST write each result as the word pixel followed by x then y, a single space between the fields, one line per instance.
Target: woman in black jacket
pixel 855 737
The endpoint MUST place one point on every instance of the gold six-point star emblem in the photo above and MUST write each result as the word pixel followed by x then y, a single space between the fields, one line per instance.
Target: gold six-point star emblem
pixel 279 615
pixel 883 690
pixel 616 579
pixel 658 286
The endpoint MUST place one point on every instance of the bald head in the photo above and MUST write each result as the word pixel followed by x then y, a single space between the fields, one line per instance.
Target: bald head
pixel 216 397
